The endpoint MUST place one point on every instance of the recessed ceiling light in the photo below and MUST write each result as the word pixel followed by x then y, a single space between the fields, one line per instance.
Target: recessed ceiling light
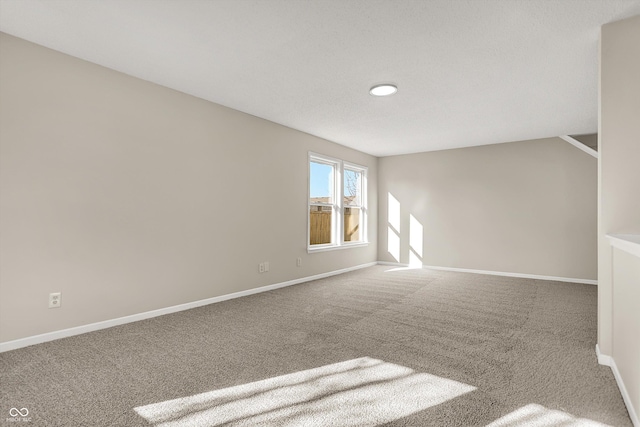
pixel 385 89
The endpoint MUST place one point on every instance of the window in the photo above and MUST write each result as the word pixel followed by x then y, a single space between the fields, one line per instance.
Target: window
pixel 337 203
pixel 353 209
pixel 323 203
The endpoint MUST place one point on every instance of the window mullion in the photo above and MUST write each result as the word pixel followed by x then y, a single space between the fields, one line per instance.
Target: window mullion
pixel 338 205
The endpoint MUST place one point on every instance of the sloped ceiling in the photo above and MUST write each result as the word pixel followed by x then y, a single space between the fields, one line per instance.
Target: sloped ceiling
pixel 469 72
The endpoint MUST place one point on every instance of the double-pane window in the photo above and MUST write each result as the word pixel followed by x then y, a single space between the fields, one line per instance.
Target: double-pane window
pixel 337 203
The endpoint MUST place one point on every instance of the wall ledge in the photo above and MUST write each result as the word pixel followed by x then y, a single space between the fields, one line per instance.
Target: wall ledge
pixel 626 242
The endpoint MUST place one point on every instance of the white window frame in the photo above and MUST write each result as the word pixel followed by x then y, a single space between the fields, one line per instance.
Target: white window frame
pixel 363 203
pixel 337 208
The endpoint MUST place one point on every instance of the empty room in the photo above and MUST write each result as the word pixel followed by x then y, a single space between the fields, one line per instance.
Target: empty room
pixel 320 213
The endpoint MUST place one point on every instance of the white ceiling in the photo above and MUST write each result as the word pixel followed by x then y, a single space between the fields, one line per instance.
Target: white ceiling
pixel 469 72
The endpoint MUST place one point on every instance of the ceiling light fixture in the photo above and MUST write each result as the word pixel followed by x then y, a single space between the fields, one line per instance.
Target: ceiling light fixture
pixel 384 89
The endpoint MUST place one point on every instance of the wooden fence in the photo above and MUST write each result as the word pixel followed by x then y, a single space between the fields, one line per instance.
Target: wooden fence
pixel 320 227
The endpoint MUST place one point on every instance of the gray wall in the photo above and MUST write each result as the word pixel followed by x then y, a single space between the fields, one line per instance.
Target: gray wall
pixel 619 198
pixel 127 197
pixel 524 207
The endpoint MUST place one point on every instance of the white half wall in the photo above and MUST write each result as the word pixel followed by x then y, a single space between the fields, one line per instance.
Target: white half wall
pixel 619 206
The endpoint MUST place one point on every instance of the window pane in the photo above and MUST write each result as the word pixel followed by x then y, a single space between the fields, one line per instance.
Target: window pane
pixel 352 188
pixel 352 232
pixel 321 183
pixel 320 225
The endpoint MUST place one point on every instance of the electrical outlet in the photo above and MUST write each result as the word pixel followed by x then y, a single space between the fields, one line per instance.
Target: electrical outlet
pixel 266 266
pixel 299 262
pixel 55 299
pixel 261 267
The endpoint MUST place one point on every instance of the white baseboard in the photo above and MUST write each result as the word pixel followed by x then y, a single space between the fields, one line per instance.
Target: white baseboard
pixel 603 359
pixel 50 336
pixel 499 273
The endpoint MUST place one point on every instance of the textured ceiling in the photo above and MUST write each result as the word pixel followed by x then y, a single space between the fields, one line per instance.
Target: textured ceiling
pixel 469 72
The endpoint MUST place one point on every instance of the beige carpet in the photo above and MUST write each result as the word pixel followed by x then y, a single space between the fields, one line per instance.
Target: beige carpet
pixel 378 346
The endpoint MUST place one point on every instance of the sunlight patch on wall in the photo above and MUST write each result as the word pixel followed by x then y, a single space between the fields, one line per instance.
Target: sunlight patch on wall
pixel 415 235
pixel 393 228
pixel 362 392
pixel 393 244
pixel 415 242
pixel 393 212
pixel 414 260
pixel 533 415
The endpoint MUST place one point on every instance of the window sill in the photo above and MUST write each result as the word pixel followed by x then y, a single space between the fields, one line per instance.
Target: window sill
pixel 337 247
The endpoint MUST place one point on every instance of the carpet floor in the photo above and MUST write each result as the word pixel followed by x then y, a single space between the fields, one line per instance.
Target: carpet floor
pixel 378 346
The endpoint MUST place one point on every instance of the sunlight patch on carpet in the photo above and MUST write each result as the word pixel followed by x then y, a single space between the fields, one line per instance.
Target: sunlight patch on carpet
pixel 533 415
pixel 391 270
pixel 363 392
